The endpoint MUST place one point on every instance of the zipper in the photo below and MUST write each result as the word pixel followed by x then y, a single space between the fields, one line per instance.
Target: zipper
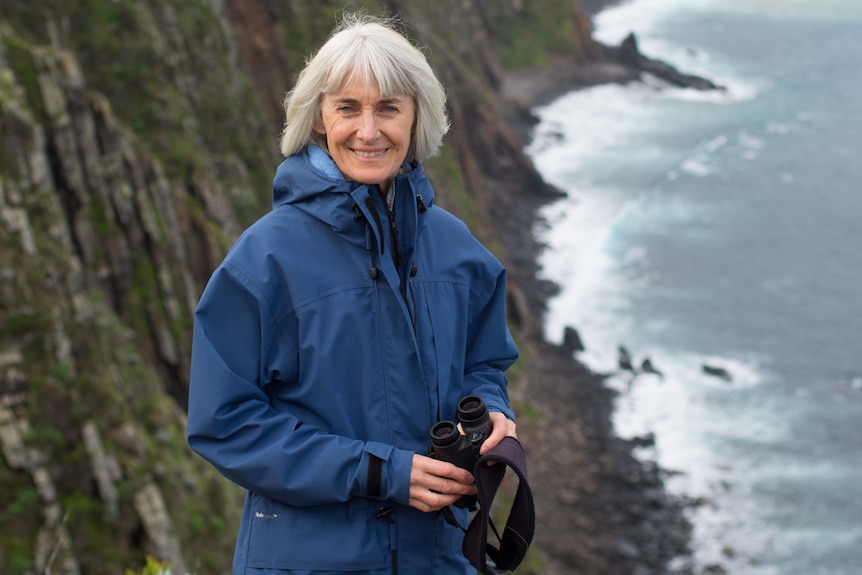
pixel 393 228
pixel 397 256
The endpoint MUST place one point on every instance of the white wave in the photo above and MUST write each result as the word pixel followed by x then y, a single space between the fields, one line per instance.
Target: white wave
pixel 800 10
pixel 733 90
pixel 644 17
pixel 696 168
pixel 749 141
pixel 699 163
pixel 576 261
pixel 585 125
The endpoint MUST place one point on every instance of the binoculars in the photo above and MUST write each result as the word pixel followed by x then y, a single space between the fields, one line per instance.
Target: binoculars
pixel 448 444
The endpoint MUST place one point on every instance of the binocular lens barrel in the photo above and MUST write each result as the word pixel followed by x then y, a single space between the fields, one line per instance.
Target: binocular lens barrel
pixel 445 434
pixel 471 409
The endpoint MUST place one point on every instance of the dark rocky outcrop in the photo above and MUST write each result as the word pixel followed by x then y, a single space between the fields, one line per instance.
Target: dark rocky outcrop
pixel 629 54
pixel 136 140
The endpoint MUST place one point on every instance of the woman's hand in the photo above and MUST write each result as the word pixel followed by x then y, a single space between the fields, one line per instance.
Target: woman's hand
pixel 502 427
pixel 434 484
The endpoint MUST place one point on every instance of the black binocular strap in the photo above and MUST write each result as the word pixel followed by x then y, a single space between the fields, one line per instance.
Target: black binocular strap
pixel 521 523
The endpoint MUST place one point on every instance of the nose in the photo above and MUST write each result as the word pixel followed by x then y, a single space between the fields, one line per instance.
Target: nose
pixel 368 129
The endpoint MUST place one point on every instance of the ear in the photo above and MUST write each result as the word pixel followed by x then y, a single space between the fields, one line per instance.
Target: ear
pixel 318 125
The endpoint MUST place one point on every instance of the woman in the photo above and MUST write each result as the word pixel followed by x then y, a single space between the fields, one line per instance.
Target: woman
pixel 344 324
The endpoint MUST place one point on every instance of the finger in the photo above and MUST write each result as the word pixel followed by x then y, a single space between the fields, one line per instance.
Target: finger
pixel 436 484
pixel 511 429
pixel 439 468
pixel 425 500
pixel 502 427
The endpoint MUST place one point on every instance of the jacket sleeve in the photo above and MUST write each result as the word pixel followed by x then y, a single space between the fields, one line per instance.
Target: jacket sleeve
pixel 490 347
pixel 232 424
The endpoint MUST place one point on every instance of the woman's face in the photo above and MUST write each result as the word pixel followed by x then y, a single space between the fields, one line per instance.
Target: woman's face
pixel 368 136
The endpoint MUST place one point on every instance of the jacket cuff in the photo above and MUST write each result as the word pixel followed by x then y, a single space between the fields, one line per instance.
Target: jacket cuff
pixel 387 472
pixel 496 404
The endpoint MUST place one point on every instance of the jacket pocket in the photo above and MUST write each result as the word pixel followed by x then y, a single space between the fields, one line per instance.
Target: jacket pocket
pixel 450 539
pixel 322 537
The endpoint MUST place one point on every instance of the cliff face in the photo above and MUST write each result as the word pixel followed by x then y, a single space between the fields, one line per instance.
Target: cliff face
pixel 109 227
pixel 137 139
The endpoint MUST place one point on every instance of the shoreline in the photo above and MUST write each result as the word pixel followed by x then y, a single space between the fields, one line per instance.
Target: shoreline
pixel 600 510
pixel 529 88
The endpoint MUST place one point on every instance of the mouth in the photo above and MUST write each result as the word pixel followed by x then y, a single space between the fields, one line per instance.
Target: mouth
pixel 370 154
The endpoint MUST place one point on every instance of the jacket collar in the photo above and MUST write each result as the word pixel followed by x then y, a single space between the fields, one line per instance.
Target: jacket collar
pixel 310 181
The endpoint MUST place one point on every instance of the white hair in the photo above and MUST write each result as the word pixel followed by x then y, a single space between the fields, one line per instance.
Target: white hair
pixel 370 49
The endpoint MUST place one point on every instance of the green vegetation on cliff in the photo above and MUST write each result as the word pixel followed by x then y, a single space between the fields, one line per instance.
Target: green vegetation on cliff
pixel 137 138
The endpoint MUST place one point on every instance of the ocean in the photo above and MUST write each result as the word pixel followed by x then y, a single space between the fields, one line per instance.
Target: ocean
pixel 724 229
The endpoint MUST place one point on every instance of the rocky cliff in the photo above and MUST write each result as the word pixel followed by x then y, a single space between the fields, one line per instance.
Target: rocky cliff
pixel 136 140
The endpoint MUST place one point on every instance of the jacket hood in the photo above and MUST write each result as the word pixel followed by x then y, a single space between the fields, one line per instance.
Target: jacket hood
pixel 305 174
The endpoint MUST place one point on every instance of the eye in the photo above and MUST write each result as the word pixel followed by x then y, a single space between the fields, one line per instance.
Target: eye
pixel 345 109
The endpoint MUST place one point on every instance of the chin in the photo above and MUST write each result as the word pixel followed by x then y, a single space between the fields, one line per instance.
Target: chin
pixel 373 179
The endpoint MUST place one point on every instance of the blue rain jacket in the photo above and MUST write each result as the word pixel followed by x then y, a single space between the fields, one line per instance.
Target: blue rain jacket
pixel 326 345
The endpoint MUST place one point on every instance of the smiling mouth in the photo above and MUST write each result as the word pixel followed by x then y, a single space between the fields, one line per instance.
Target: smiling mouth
pixel 374 154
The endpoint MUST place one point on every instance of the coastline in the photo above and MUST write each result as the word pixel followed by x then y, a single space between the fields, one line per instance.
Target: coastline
pixel 719 436
pixel 599 509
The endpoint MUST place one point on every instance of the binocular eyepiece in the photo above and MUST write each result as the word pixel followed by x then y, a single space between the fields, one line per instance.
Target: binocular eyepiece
pixel 448 444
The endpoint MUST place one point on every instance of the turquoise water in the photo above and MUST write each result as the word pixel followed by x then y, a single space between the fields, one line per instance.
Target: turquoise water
pixel 725 228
